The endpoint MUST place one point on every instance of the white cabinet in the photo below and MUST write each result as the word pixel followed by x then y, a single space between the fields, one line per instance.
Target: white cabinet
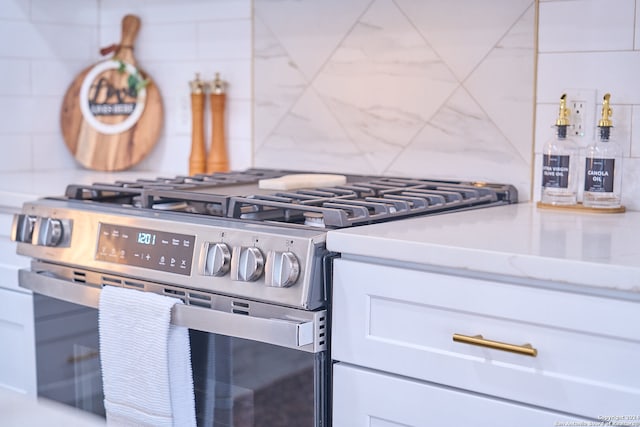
pixel 403 321
pixel 17 339
pixel 364 397
pixel 17 348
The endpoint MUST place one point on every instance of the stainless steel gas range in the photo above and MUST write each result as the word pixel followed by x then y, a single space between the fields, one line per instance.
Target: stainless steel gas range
pixel 249 263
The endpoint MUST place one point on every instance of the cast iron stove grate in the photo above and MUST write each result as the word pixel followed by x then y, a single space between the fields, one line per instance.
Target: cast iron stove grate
pixel 363 200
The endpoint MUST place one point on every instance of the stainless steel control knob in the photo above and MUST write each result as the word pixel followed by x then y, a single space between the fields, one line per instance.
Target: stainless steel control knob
pixel 22 228
pixel 247 264
pixel 218 259
pixel 282 269
pixel 50 233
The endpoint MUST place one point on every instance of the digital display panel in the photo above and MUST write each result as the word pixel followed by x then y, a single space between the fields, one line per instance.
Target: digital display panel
pixel 157 250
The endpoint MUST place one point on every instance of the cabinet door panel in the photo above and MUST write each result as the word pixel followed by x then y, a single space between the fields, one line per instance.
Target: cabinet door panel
pixel 367 398
pixel 17 342
pixel 403 321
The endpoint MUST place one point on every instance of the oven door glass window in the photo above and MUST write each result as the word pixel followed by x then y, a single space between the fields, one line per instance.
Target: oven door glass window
pixel 242 383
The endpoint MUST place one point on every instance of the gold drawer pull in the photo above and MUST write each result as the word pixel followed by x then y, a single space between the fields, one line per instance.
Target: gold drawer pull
pixel 81 358
pixel 525 349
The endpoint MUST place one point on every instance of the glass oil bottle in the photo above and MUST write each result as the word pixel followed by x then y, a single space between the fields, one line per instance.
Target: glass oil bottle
pixel 559 163
pixel 603 166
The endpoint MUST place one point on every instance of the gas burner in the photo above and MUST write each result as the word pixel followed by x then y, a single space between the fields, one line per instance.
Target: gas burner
pixel 236 195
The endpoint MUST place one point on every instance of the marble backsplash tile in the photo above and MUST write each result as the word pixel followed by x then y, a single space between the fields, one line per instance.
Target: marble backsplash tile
pixel 387 91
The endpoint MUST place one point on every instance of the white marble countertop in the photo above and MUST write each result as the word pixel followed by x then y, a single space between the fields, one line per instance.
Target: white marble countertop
pixel 584 249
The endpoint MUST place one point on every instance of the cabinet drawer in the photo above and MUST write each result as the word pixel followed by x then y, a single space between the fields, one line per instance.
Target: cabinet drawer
pixel 67 343
pixel 68 359
pixel 403 321
pixel 362 397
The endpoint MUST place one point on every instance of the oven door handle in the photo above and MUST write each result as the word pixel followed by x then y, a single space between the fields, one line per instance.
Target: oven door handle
pixel 287 333
pixel 283 332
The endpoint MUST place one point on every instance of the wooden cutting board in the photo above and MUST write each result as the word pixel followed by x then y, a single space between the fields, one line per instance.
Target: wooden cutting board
pixel 112 112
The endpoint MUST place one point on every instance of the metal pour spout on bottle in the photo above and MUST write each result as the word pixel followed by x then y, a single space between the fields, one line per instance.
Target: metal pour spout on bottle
pixel 217 160
pixel 603 167
pixel 605 124
pixel 563 118
pixel 559 164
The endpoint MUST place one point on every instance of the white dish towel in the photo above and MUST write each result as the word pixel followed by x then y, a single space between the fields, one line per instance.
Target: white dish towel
pixel 146 361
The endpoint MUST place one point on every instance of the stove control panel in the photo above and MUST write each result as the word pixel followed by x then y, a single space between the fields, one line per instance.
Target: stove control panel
pixel 142 247
pixel 223 257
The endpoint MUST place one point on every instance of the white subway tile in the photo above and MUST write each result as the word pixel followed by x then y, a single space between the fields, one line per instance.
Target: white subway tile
pixel 110 34
pixel 546 115
pixel 173 77
pixel 16 114
pixel 165 42
pixel 636 44
pixel 537 181
pixel 54 77
pixel 173 11
pixel 34 114
pixel 29 44
pixel 45 114
pixel 16 75
pixel 112 11
pixel 631 183
pixel 635 131
pixel 69 42
pixel 224 40
pixel 614 72
pixel 16 150
pixel 238 116
pixel 46 41
pixel 170 155
pixel 75 12
pixel 621 119
pixel 240 154
pixel 50 152
pixel 177 113
pixel 586 25
pixel 174 42
pixel 15 9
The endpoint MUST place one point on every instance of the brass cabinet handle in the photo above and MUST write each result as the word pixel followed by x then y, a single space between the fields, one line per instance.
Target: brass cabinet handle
pixel 525 349
pixel 87 356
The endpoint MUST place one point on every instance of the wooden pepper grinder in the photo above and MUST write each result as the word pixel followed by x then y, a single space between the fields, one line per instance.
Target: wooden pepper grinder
pixel 217 159
pixel 198 157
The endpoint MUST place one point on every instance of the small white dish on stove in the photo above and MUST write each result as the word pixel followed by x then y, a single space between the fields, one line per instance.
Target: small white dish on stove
pixel 302 180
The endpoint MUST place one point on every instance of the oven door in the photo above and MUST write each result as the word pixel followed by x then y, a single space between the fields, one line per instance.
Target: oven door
pixel 239 382
pixel 266 369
